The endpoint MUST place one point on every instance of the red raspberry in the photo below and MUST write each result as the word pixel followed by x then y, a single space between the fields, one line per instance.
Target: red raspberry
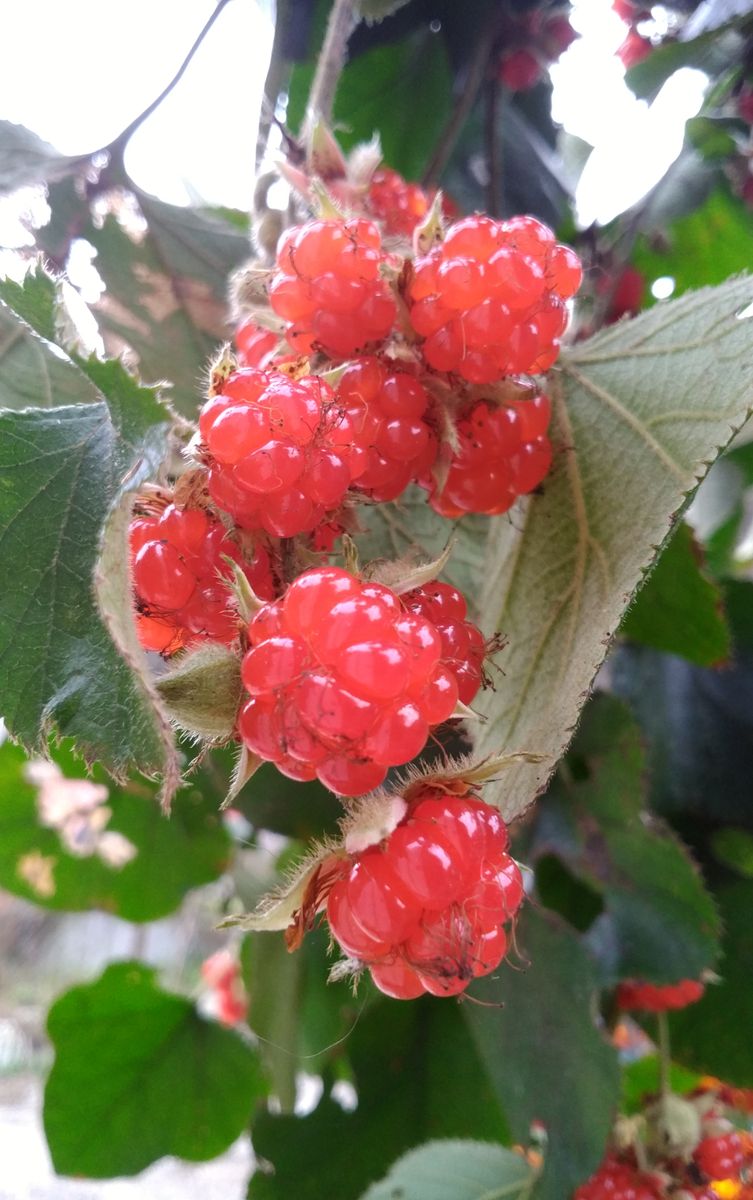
pixel 329 290
pixel 615 1180
pixel 720 1157
pixel 220 970
pixel 520 70
pixel 630 12
pixel 255 346
pixel 425 909
pixel 489 301
pixel 345 682
pixel 278 450
pixel 503 453
pixel 634 49
pixel 399 205
pixel 627 297
pixel 221 973
pixel 180 578
pixel 393 443
pixel 463 645
pixel 649 997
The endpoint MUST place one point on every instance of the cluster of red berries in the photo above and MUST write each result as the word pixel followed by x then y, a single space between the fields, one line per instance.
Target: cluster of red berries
pixel 717 1153
pixel 717 1157
pixel 278 451
pixel 632 995
pixel 346 680
pixel 370 371
pixel 502 453
pixel 532 41
pixel 617 1179
pixel 255 347
pixel 328 288
pixel 180 576
pixel 400 206
pixel 425 909
pixel 489 301
pixel 221 973
pixel 387 410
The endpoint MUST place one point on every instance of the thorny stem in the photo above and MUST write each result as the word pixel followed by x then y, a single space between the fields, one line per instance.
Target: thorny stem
pixel 665 1057
pixel 475 77
pixel 342 21
pixel 127 133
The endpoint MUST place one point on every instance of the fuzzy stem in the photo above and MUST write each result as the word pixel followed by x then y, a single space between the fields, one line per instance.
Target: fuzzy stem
pixel 342 21
pixel 665 1054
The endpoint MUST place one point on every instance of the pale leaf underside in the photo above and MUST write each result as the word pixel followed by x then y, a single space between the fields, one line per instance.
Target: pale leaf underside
pixel 640 411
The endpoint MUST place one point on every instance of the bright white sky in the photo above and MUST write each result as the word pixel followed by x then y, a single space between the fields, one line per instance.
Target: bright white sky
pixel 93 66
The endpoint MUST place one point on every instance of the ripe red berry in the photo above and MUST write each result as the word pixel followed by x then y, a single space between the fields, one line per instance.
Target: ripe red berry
pixel 520 70
pixel 720 1157
pixel 634 49
pixel 180 578
pixel 393 443
pixel 279 451
pixel 399 205
pixel 345 681
pixel 649 997
pixel 490 300
pixel 255 346
pixel 464 647
pixel 627 297
pixel 221 973
pixel 425 909
pixel 328 287
pixel 616 1180
pixel 503 452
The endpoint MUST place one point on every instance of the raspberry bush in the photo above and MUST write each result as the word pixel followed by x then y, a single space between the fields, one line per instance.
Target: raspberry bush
pixel 336 615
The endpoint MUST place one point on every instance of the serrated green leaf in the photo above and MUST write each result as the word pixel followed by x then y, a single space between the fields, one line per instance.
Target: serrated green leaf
pixel 704 246
pixel 712 137
pixel 659 922
pixel 455 1170
pixel 734 848
pixel 166 284
pixel 543 1053
pixel 166 291
pixel 140 1066
pixel 680 609
pixel 639 412
pixel 61 468
pixel 31 374
pixel 391 71
pixel 407 1059
pixel 34 301
pixel 59 471
pixel 26 160
pixel 187 850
